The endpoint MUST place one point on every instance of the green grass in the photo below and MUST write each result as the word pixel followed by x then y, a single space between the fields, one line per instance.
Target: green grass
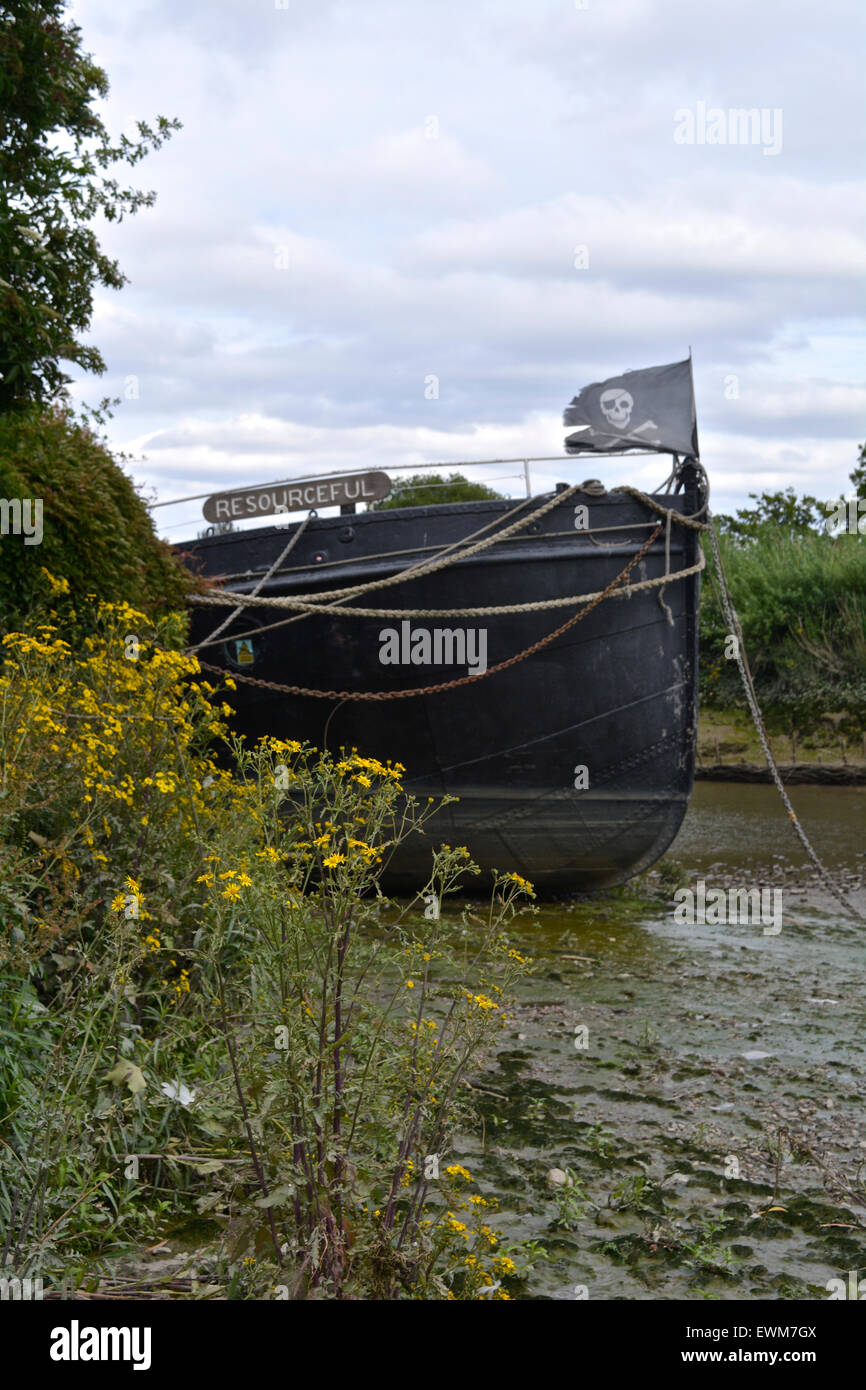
pixel 801 602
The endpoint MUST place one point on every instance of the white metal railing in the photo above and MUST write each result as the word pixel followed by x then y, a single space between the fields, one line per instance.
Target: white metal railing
pixel 525 460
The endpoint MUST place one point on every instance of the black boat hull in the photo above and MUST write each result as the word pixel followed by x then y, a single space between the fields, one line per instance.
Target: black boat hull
pixel 615 695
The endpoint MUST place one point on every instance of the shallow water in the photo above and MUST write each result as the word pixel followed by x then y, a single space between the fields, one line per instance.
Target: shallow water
pixel 723 1074
pixel 745 825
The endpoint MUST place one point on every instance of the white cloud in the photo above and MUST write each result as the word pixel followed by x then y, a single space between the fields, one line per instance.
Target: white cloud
pixel 364 196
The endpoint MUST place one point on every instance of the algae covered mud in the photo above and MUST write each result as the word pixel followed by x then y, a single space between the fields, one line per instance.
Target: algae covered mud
pixel 696 1091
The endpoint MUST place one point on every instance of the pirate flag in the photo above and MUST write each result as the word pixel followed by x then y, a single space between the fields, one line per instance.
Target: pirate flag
pixel 650 409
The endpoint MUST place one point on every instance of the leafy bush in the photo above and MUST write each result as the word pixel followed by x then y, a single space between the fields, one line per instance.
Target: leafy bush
pixel 98 534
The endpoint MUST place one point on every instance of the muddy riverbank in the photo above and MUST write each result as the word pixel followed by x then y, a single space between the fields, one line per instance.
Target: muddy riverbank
pixel 711 1119
pixel 792 774
pixel 696 1090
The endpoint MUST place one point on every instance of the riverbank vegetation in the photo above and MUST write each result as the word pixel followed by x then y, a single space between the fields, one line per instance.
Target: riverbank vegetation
pixel 800 592
pixel 209 1011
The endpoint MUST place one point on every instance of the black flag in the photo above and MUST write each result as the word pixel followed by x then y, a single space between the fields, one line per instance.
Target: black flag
pixel 650 409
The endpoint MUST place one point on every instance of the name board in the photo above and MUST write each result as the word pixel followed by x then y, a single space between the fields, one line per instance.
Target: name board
pixel 297 497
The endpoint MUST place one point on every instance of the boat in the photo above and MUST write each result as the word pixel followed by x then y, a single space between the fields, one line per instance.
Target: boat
pixel 551 645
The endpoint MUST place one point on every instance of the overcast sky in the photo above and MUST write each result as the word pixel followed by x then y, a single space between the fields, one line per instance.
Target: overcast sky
pixel 499 194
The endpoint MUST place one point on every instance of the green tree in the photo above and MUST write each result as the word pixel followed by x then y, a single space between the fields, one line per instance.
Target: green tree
pixel 426 490
pixel 782 512
pixel 54 154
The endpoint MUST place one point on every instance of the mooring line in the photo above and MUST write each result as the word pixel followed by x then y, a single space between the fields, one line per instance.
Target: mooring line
pixel 730 614
pixel 279 689
pixel 236 612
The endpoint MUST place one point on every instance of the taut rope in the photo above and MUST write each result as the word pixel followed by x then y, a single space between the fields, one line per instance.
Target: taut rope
pixel 446 685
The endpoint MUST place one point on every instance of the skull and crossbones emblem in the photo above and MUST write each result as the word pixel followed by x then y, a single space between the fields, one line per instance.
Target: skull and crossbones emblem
pixel 616 406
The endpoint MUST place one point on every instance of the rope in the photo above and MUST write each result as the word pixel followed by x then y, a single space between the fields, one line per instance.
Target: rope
pixel 309 603
pixel 460 681
pixel 667 612
pixel 499 610
pixel 432 566
pixel 690 521
pixel 211 641
pixel 590 531
pixel 301 617
pixel 733 622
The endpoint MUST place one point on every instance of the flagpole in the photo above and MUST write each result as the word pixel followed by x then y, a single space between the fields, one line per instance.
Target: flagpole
pixel 694 407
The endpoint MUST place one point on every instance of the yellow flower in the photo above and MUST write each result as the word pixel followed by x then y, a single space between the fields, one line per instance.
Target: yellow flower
pixel 333 860
pixel 482 1001
pixel 57 586
pixel 270 854
pixel 457 1170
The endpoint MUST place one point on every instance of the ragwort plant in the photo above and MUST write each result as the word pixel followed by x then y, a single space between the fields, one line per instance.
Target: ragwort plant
pixel 97 731
pixel 213 1005
pixel 350 1026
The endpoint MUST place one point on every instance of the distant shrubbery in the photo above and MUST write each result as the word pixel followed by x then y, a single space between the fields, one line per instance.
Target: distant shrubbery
pixel 426 490
pixel 801 598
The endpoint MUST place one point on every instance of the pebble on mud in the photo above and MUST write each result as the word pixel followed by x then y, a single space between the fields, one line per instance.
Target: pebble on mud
pixel 557 1178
